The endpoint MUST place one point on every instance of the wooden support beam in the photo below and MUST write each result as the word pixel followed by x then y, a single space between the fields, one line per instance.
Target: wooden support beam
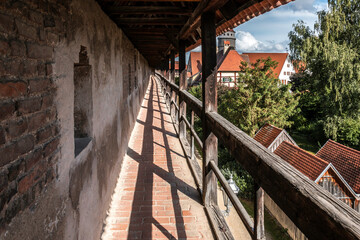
pixel 149 38
pixel 259 225
pixel 151 0
pixel 209 94
pixel 172 68
pixel 167 66
pixel 182 86
pixel 150 21
pixel 168 10
pixel 151 30
pixel 171 38
pixel 192 150
pixel 172 80
pixel 194 20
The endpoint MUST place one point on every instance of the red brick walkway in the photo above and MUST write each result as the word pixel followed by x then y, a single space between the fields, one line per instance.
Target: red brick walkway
pixel 155 197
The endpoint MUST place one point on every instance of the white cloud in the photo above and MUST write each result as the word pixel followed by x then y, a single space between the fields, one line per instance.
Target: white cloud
pixel 246 42
pixel 321 6
pixel 197 49
pixel 302 5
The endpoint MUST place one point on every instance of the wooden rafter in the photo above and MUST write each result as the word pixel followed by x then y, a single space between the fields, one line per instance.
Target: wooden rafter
pixel 150 21
pixel 149 10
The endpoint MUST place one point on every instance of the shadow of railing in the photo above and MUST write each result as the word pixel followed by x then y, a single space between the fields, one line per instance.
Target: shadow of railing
pixel 144 202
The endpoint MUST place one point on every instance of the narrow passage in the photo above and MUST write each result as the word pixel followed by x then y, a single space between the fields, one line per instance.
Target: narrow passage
pixel 155 196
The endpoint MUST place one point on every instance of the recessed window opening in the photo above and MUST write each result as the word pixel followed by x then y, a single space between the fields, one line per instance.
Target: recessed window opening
pixel 135 69
pixel 129 69
pixel 82 102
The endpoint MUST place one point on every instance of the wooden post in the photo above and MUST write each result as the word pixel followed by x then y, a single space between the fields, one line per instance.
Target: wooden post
pixel 259 227
pixel 182 86
pixel 192 136
pixel 167 67
pixel 172 67
pixel 209 99
pixel 172 80
pixel 167 75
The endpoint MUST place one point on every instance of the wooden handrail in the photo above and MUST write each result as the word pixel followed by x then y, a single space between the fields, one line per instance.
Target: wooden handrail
pixel 249 224
pixel 174 103
pixel 315 211
pixel 198 140
pixel 303 201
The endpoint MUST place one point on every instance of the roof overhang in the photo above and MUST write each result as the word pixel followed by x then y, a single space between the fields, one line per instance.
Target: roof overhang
pixel 331 166
pixel 155 27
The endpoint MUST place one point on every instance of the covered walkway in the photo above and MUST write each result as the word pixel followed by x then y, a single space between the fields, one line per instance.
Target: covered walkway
pixel 155 196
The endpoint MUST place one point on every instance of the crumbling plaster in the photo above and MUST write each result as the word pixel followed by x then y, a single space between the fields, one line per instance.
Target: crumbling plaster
pixel 74 207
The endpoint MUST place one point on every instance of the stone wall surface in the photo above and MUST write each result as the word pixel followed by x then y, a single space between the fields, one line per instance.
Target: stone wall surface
pixel 45 191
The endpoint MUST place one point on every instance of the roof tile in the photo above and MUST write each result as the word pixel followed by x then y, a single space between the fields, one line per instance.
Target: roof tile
pixel 232 62
pixel 346 160
pixel 278 57
pixel 267 134
pixel 308 164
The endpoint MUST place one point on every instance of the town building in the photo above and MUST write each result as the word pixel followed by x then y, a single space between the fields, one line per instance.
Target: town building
pixel 347 162
pixel 335 167
pixel 284 69
pixel 229 62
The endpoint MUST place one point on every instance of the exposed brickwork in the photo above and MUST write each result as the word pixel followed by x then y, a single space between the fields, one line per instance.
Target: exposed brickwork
pixel 29 135
pixel 155 197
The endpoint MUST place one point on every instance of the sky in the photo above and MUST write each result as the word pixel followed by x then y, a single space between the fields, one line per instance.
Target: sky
pixel 269 32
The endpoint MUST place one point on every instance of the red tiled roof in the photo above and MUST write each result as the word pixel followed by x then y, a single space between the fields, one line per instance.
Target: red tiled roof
pixel 195 62
pixel 232 62
pixel 346 160
pixel 299 65
pixel 226 42
pixel 176 65
pixel 267 134
pixel 278 57
pixel 308 164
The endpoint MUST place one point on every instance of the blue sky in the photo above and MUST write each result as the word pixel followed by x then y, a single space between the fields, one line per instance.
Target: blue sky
pixel 269 32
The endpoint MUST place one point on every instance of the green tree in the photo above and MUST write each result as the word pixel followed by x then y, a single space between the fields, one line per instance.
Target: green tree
pixel 330 85
pixel 258 99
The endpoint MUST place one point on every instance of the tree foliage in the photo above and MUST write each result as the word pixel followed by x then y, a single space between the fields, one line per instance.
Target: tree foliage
pixel 330 85
pixel 258 99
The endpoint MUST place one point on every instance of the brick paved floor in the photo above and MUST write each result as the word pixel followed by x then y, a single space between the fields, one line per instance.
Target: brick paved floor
pixel 155 197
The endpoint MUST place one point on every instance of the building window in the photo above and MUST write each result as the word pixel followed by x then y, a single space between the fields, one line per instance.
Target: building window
pixel 284 73
pixel 227 79
pixel 288 73
pixel 288 65
pixel 83 110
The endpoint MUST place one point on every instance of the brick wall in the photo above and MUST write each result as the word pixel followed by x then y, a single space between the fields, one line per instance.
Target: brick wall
pixel 29 130
pixel 45 191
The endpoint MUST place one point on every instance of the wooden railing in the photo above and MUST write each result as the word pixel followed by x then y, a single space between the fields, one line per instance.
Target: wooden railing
pixel 313 210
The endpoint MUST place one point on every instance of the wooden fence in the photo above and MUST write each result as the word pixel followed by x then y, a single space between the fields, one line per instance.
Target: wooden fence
pixel 314 210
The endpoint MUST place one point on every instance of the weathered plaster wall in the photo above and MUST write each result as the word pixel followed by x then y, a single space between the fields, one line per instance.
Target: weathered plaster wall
pixel 73 204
